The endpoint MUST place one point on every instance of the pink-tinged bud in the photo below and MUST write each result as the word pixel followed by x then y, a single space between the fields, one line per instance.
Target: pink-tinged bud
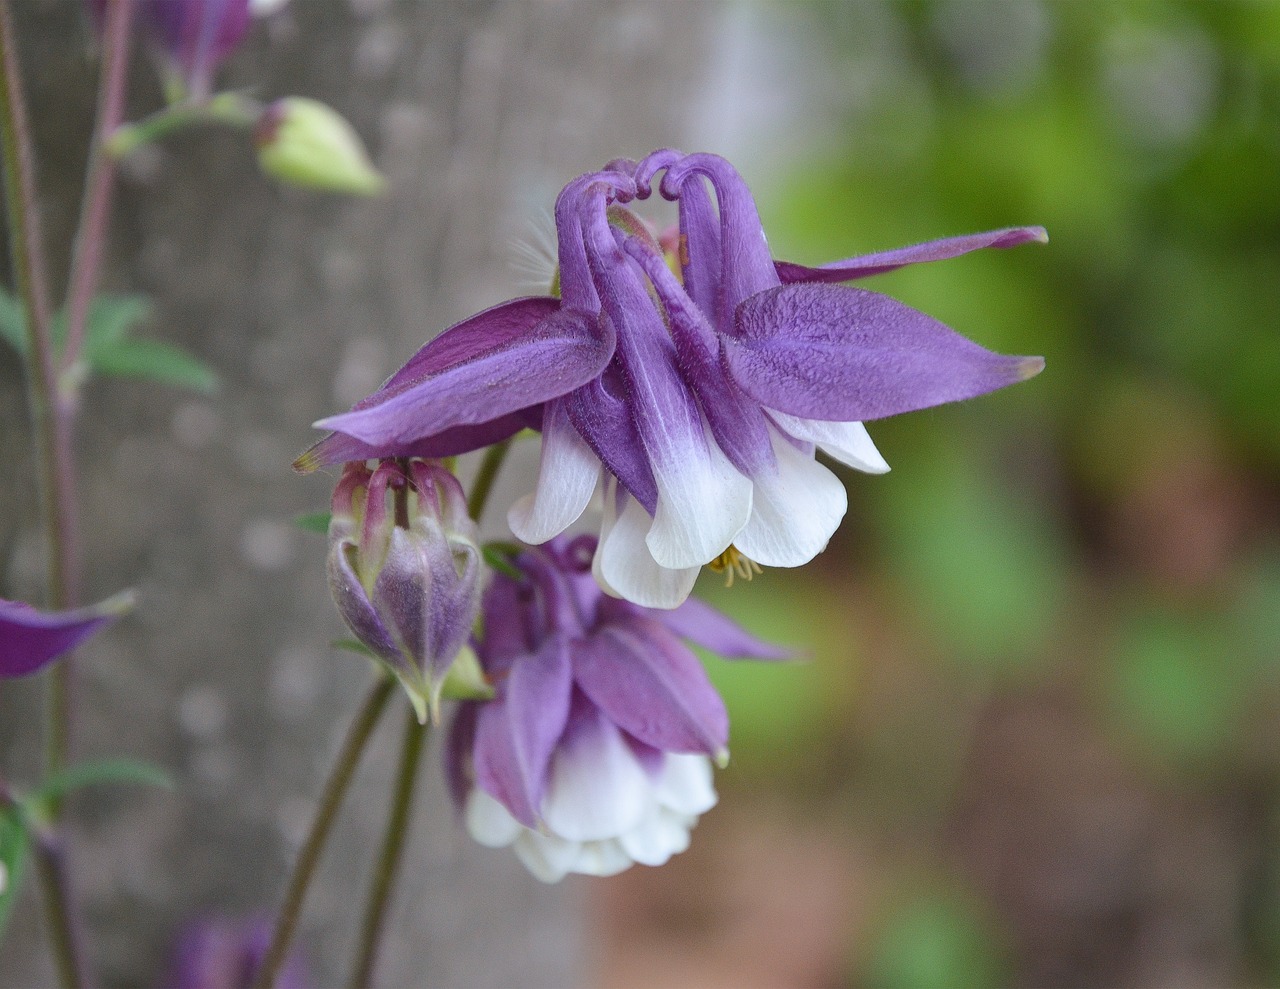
pixel 305 143
pixel 405 570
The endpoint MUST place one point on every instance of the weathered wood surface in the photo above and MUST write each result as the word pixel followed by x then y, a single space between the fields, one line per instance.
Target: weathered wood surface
pixel 477 112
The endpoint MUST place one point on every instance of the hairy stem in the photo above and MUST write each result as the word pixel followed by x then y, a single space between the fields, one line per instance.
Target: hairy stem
pixel 384 874
pixel 335 789
pixel 95 207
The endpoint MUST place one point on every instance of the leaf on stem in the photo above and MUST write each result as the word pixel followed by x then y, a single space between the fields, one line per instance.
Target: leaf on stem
pixel 15 844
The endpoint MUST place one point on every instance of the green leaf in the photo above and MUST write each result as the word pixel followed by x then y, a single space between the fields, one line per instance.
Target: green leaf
pixel 13 321
pixel 499 556
pixel 110 318
pixel 101 771
pixel 313 522
pixel 153 360
pixel 15 844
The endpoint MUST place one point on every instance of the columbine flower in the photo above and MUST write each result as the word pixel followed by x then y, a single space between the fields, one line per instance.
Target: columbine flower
pixel 194 36
pixel 29 639
pixel 693 401
pixel 225 953
pixel 405 569
pixel 596 752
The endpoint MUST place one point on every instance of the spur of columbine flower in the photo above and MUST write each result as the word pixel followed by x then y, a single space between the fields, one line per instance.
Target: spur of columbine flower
pixel 596 751
pixel 405 570
pixel 688 378
pixel 31 639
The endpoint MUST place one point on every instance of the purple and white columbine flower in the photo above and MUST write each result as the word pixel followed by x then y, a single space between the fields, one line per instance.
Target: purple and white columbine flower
pixel 31 639
pixel 694 401
pixel 405 570
pixel 596 750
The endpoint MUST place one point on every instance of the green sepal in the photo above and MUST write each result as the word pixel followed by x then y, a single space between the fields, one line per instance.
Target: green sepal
pixel 465 680
pixel 15 846
pixel 313 522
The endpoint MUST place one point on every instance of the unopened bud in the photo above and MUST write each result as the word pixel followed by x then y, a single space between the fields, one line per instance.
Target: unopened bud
pixel 405 570
pixel 306 143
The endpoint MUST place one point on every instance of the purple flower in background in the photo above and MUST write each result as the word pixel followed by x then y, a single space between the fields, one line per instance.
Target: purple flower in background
pixel 691 386
pixel 224 953
pixel 405 569
pixel 596 751
pixel 29 639
pixel 196 36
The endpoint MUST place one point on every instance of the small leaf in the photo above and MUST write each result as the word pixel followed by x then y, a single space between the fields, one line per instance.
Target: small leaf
pixel 13 321
pixel 15 844
pixel 101 771
pixel 110 318
pixel 154 360
pixel 313 522
pixel 499 557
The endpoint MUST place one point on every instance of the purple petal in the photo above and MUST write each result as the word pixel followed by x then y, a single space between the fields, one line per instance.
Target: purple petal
pixel 516 734
pixel 652 686
pixel 458 746
pixel 703 625
pixel 935 250
pixel 556 355
pixel 29 638
pixel 700 258
pixel 846 354
pixel 339 449
pixel 601 412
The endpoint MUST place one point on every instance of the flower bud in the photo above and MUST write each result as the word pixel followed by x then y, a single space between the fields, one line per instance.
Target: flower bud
pixel 306 143
pixel 405 570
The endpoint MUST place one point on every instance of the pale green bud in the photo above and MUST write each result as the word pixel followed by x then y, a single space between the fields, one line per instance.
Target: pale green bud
pixel 306 143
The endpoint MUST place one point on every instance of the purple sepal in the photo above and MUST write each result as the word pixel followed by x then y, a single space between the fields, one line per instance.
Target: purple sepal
pixel 225 953
pixel 517 732
pixel 559 353
pixel 867 265
pixel 601 412
pixel 458 745
pixel 30 639
pixel 703 625
pixel 650 685
pixel 845 354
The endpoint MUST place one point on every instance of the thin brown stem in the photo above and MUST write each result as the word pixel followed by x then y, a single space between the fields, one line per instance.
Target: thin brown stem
pixel 384 875
pixel 95 207
pixel 304 868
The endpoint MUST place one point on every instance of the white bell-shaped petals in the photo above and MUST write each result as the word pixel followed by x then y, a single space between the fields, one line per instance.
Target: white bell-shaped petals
pixel 703 502
pixel 847 442
pixel 567 475
pixel 623 565
pixel 489 822
pixel 596 788
pixel 795 511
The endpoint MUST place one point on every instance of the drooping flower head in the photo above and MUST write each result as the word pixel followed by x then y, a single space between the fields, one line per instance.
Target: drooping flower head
pixel 596 751
pixel 689 385
pixel 30 639
pixel 405 569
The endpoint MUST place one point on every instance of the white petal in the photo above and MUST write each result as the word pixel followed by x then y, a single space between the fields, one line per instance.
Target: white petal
pixel 567 476
pixel 596 787
pixel 489 822
pixel 847 442
pixel 548 857
pixel 659 836
pixel 685 784
pixel 703 502
pixel 602 858
pixel 625 568
pixel 795 510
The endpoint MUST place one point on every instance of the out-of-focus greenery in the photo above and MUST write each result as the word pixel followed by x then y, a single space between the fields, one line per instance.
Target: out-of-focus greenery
pixel 1103 539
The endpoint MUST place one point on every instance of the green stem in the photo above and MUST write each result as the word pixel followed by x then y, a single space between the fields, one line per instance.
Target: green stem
pixel 51 866
pixel 335 789
pixel 388 863
pixel 229 109
pixel 482 486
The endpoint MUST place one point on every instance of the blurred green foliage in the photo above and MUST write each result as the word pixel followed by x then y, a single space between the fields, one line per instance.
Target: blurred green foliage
pixel 1107 532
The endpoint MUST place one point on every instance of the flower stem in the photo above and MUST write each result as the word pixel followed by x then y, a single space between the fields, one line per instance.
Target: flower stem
pixel 230 109
pixel 485 476
pixel 335 789
pixel 95 208
pixel 384 875
pixel 66 942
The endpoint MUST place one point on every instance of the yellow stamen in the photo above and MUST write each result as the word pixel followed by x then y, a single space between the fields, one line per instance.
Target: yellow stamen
pixel 732 563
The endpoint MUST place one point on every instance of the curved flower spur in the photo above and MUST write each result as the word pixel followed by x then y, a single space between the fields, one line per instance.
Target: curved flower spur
pixel 690 380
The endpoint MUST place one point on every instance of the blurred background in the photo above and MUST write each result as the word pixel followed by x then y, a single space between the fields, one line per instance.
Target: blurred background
pixel 1035 743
